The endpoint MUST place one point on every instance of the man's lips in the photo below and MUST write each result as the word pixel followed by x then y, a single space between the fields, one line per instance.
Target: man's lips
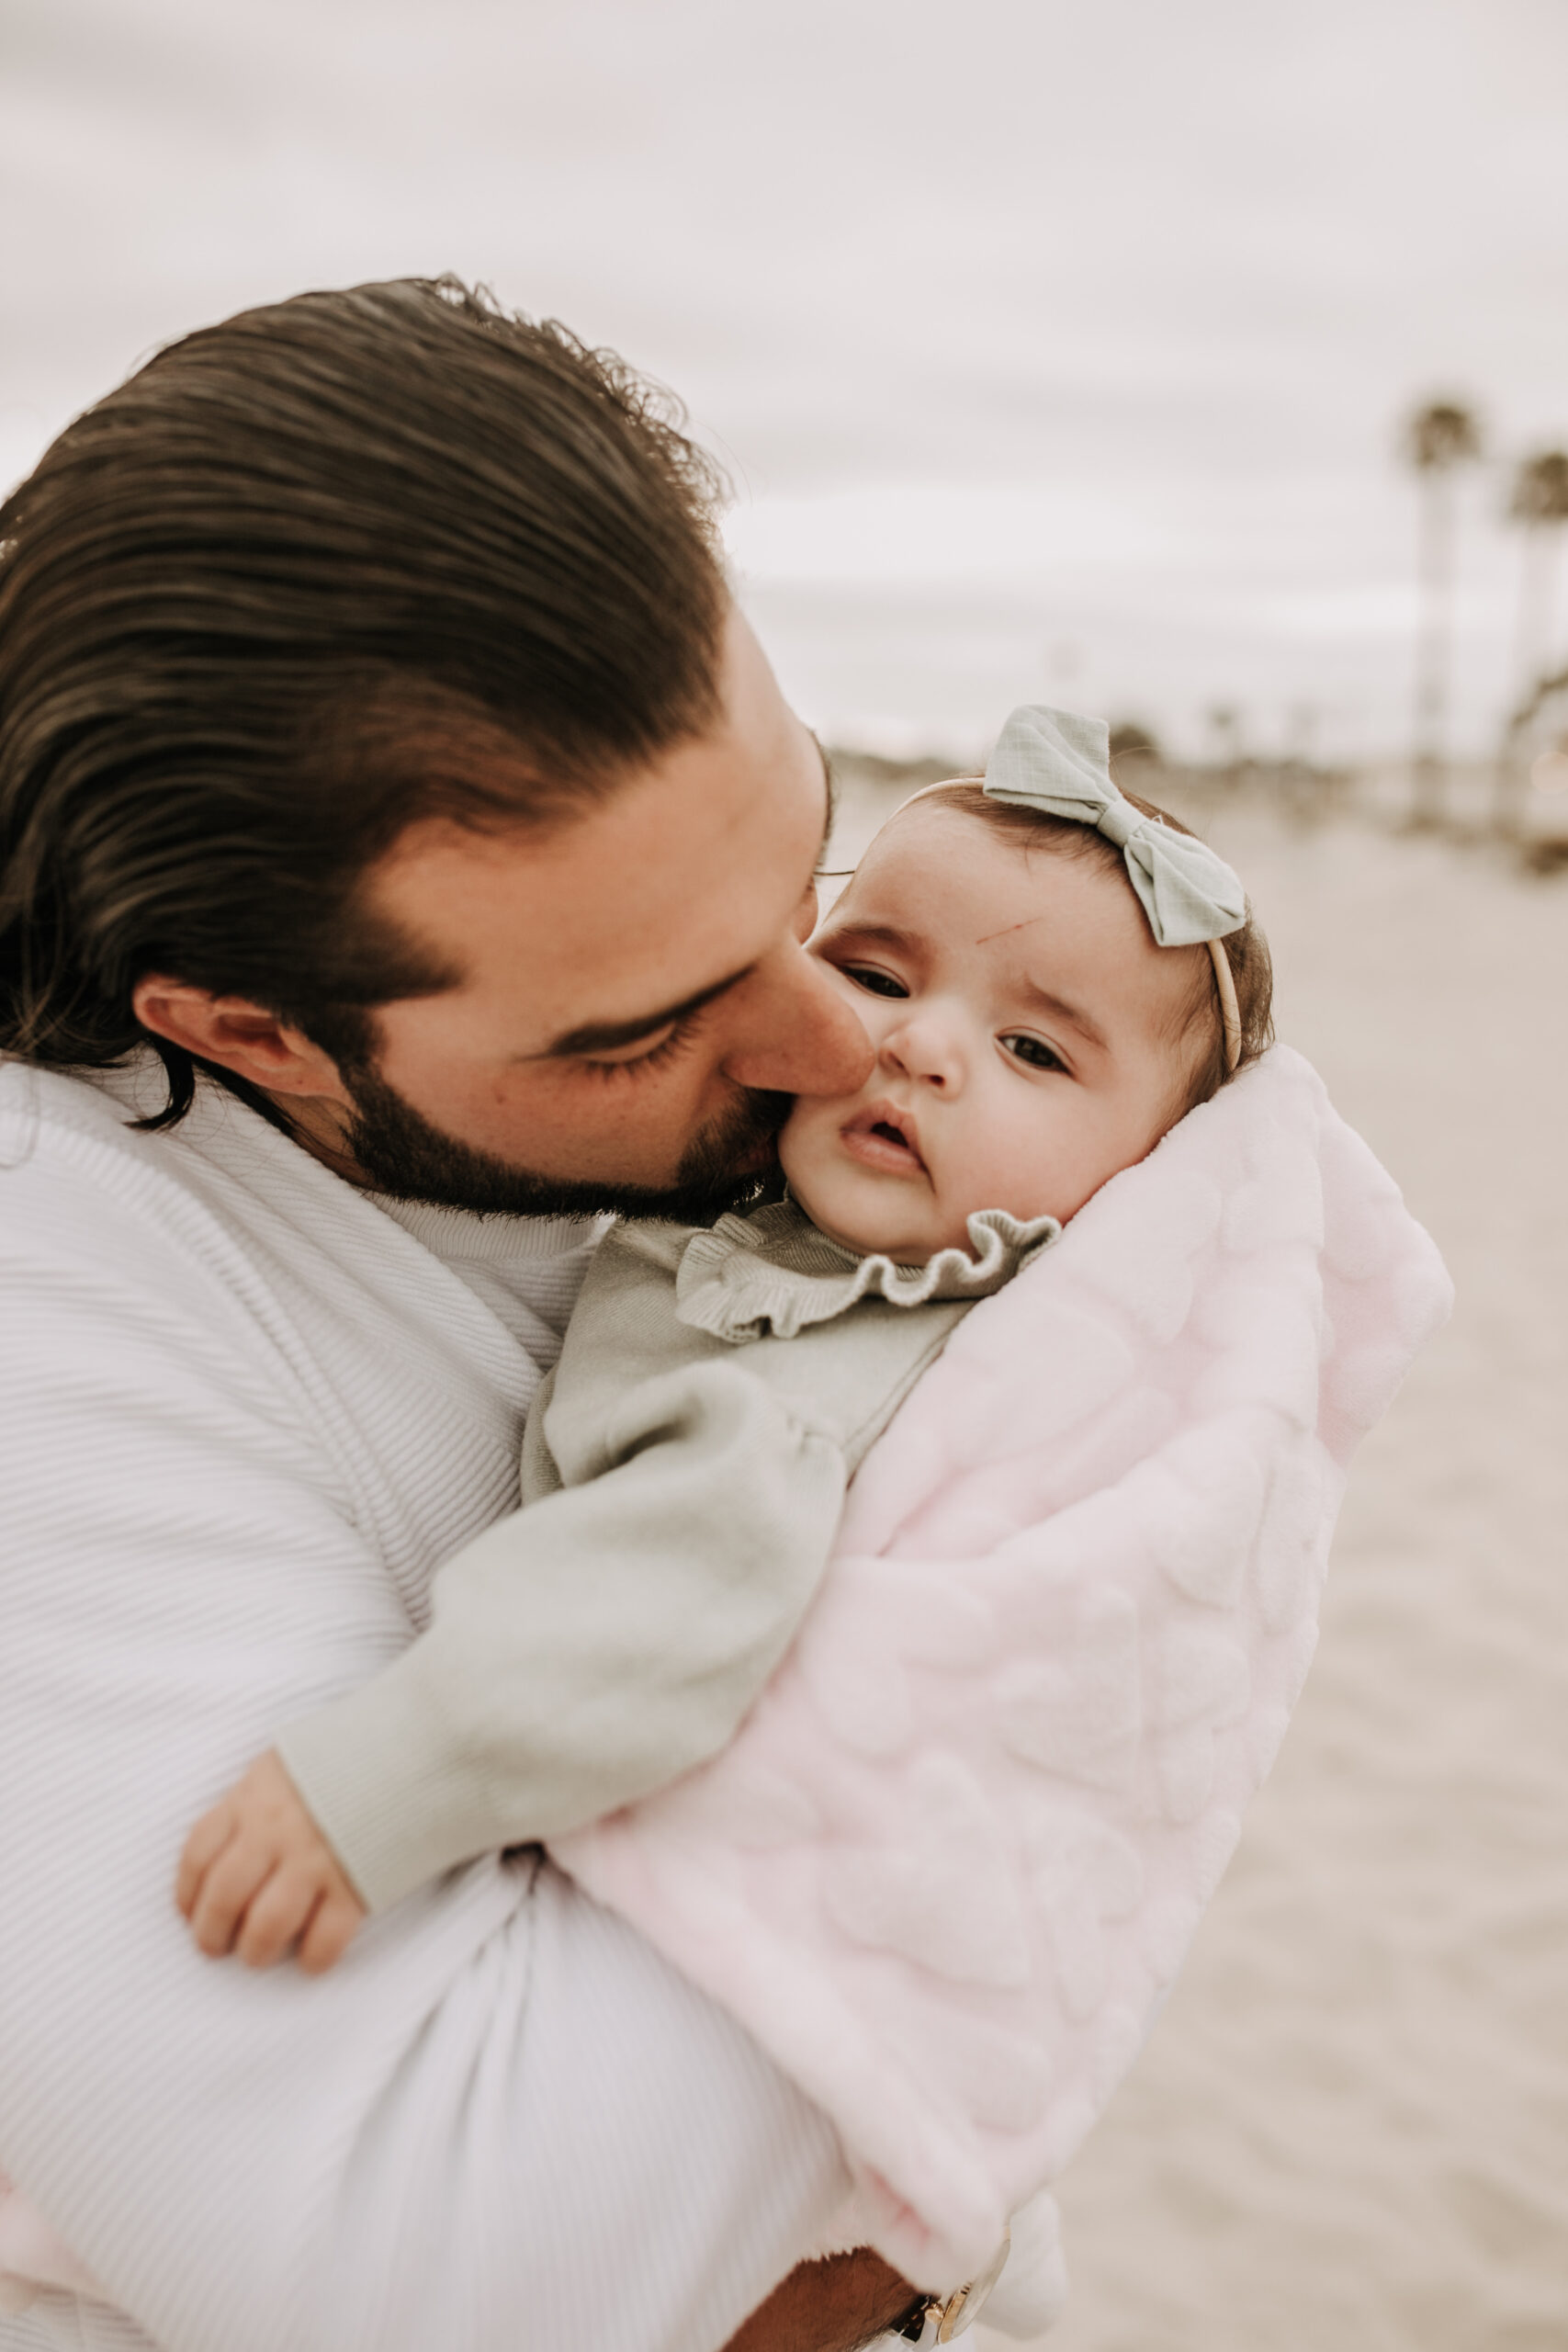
pixel 883 1136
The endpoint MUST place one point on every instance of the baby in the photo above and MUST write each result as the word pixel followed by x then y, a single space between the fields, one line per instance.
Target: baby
pixel 1039 963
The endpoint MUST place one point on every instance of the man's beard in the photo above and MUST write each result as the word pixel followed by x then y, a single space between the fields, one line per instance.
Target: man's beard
pixel 401 1154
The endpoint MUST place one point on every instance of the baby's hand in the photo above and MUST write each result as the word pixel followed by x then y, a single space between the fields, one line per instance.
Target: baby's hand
pixel 257 1874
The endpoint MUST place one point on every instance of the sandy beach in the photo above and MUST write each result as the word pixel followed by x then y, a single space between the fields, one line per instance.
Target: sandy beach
pixel 1349 2133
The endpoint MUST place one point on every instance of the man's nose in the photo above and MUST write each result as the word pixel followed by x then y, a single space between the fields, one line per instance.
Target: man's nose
pixel 801 1035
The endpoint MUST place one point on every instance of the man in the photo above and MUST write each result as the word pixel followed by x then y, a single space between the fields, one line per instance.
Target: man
pixel 404 852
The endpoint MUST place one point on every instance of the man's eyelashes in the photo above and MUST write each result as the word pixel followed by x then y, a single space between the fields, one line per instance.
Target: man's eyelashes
pixel 668 1049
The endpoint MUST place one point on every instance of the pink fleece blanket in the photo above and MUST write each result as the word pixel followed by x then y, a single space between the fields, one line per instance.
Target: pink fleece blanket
pixel 955 1858
pixel 953 1861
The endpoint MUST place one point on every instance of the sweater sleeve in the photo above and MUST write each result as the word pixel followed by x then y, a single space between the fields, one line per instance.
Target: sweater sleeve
pixel 502 2117
pixel 590 1648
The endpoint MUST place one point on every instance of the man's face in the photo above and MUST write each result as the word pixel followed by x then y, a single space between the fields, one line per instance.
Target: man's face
pixel 635 1004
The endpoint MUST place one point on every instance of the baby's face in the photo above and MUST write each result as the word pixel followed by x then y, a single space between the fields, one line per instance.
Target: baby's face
pixel 1028 1034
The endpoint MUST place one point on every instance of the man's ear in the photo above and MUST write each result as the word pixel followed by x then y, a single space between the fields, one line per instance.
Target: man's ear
pixel 238 1036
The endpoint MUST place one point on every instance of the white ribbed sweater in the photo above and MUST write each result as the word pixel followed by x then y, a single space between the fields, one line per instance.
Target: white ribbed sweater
pixel 244 1413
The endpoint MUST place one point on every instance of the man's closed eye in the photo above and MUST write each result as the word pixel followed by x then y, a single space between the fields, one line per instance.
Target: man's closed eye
pixel 648 1058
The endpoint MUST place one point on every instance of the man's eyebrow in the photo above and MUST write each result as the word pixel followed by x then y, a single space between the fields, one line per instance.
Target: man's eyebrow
pixel 602 1036
pixel 1059 1009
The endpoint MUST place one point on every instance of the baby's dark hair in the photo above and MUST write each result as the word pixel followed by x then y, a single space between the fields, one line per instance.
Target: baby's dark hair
pixel 1247 950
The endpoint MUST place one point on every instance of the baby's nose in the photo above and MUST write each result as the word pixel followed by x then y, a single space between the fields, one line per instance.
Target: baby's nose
pixel 924 1049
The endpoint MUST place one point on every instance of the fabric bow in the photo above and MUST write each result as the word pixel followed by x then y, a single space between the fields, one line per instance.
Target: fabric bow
pixel 1060 761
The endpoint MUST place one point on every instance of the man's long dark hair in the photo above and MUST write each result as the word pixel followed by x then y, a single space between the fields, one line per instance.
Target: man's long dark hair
pixel 308 577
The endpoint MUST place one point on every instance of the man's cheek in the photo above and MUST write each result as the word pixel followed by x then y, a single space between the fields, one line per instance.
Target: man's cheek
pixel 584 1109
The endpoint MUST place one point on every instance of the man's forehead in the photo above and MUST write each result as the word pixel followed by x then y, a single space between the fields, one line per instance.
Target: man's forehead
pixel 619 917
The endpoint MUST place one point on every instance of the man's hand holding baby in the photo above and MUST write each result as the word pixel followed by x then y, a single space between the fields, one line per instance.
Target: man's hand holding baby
pixel 257 1877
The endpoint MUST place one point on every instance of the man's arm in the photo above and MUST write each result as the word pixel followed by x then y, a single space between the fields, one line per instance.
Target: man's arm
pixel 503 2112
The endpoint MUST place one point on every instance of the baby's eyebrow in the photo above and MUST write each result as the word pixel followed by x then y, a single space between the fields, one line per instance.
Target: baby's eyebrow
pixel 1059 1009
pixel 877 934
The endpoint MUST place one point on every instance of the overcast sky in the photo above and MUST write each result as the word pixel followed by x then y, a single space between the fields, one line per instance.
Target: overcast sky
pixel 1055 351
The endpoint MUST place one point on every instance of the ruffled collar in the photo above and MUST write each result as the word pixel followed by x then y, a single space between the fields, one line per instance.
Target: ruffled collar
pixel 773 1271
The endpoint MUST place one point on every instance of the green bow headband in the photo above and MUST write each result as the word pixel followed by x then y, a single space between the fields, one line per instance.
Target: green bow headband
pixel 1060 761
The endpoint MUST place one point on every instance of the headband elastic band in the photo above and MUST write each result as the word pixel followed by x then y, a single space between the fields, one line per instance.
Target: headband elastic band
pixel 1230 1011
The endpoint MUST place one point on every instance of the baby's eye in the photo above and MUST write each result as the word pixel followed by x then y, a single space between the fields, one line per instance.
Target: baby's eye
pixel 866 976
pixel 1033 1050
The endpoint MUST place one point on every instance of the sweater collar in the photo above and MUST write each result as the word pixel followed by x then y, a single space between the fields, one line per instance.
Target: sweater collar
pixel 773 1271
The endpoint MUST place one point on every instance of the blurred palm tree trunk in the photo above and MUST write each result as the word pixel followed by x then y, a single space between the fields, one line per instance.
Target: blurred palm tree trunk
pixel 1441 438
pixel 1540 503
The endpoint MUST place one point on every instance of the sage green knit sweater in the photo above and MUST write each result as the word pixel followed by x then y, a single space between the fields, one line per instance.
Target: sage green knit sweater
pixel 683 1475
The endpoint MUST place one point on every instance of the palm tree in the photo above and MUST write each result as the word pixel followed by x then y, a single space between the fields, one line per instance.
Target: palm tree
pixel 1539 721
pixel 1439 438
pixel 1540 503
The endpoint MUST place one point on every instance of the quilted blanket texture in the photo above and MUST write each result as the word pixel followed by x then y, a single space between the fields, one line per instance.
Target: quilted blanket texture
pixel 951 1865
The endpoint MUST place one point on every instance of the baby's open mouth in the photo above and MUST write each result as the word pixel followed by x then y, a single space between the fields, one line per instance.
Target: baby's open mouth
pixel 883 1136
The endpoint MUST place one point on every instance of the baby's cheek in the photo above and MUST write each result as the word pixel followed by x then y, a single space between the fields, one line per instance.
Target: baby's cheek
pixel 1030 1171
pixel 792 1132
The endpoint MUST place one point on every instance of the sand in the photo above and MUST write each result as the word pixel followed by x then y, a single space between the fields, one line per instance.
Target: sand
pixel 1349 2133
